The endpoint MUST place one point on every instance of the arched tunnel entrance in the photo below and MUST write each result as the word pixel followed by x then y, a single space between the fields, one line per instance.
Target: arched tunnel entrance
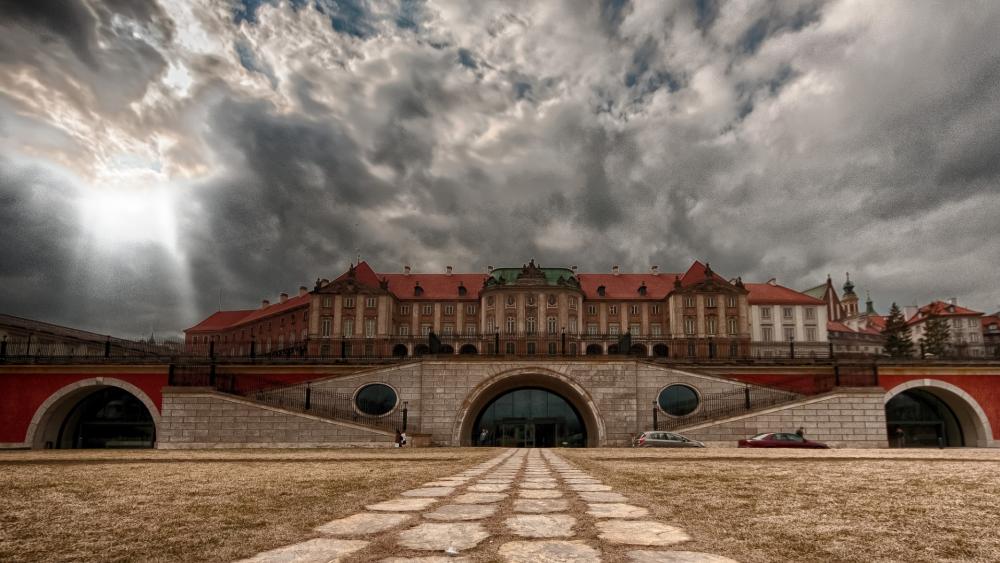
pixel 930 413
pixel 530 417
pixel 95 416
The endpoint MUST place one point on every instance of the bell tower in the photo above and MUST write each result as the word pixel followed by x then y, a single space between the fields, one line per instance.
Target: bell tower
pixel 850 300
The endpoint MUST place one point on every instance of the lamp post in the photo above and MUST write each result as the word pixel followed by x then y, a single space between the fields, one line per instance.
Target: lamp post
pixel 655 419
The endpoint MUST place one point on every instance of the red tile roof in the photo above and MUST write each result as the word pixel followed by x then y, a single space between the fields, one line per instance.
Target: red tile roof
pixel 626 286
pixel 767 294
pixel 837 326
pixel 941 309
pixel 991 320
pixel 435 286
pixel 220 320
pixel 696 273
pixel 275 309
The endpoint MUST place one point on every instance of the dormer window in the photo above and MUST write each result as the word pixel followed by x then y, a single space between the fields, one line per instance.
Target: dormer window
pixel 461 290
pixel 417 290
pixel 642 289
pixel 600 290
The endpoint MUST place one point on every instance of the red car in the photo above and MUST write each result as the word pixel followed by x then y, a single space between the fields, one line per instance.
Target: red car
pixel 779 440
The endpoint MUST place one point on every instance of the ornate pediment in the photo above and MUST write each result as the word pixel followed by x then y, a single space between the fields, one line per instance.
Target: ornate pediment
pixel 531 274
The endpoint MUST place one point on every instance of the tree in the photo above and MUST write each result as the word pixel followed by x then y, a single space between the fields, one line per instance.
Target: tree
pixel 897 334
pixel 936 337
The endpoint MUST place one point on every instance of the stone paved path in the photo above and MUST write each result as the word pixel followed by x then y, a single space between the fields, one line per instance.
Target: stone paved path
pixel 528 506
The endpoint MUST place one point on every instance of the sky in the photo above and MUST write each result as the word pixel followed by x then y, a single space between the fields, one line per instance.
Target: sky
pixel 160 158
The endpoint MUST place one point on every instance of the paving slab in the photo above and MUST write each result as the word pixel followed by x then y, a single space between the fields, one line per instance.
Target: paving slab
pixel 616 510
pixel 538 485
pixel 430 559
pixel 441 537
pixel 601 496
pixel 489 488
pixel 402 505
pixel 364 523
pixel 551 551
pixel 537 506
pixel 319 550
pixel 541 525
pixel 461 512
pixel 676 557
pixel 538 493
pixel 429 492
pixel 640 532
pixel 591 488
pixel 479 498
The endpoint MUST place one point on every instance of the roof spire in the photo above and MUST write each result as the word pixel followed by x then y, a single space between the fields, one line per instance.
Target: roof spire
pixel 869 306
pixel 848 286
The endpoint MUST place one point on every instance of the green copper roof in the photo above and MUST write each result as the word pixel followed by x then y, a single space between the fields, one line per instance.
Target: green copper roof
pixel 552 275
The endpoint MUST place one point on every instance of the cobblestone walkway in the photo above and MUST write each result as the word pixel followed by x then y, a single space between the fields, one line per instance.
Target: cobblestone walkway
pixel 527 506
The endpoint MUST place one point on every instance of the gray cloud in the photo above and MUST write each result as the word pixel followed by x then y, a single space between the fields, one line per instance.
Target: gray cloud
pixel 773 139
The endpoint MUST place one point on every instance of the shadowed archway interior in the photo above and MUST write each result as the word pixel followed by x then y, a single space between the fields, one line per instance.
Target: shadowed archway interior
pixel 105 417
pixel 917 418
pixel 529 417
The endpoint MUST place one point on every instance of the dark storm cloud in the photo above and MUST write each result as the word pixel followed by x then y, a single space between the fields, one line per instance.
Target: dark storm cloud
pixel 774 139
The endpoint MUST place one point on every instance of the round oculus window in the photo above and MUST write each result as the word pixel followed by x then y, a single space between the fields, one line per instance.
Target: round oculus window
pixel 375 399
pixel 678 400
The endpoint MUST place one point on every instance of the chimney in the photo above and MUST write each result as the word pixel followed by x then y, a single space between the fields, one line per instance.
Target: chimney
pixel 489 269
pixel 614 269
pixel 282 297
pixel 448 269
pixel 406 269
pixel 655 270
pixel 303 290
pixel 264 303
pixel 953 301
pixel 772 281
pixel 573 267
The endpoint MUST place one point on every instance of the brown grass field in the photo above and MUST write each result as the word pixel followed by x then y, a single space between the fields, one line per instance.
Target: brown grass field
pixel 832 505
pixel 194 506
pixel 836 505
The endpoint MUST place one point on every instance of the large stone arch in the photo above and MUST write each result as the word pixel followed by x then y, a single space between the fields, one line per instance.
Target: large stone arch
pixel 975 424
pixel 536 377
pixel 49 416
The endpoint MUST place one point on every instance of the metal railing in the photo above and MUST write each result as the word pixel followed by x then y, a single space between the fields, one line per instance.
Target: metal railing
pixel 715 406
pixel 294 396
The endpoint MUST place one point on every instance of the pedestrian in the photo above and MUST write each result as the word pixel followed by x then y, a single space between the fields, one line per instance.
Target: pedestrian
pixel 801 433
pixel 399 438
pixel 483 436
pixel 402 439
pixel 899 436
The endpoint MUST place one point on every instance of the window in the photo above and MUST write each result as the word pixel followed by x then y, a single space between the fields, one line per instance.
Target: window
pixel 612 309
pixel 689 301
pixel 591 309
pixel 404 330
pixel 425 329
pixel 633 309
pixel 370 302
pixel 404 309
pixel 635 329
pixel 810 313
pixel 489 301
pixel 731 325
pixel 592 329
pixel 572 304
pixel 511 302
pixel 470 309
pixel 369 328
pixel 710 325
pixel 510 348
pixel 491 326
pixel 972 323
pixel 655 329
pixel 375 399
pixel 787 313
pixel 531 348
pixel 678 400
pixel 326 301
pixel 448 330
pixel 766 334
pixel 552 300
pixel 348 302
pixel 530 325
pixel 470 330
pixel 427 309
pixel 511 325
pixel 552 348
pixel 688 325
pixel 765 312
pixel 449 309
pixel 572 325
pixel 531 300
pixel 731 301
pixel 348 327
pixel 551 325
pixel 654 309
pixel 789 334
pixel 305 334
pixel 710 301
pixel 325 324
pixel 613 328
pixel 811 334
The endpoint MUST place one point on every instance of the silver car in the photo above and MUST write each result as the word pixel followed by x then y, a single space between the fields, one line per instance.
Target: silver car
pixel 665 440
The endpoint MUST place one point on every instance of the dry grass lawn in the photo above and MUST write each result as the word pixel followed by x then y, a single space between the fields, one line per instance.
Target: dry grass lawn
pixel 835 505
pixel 194 506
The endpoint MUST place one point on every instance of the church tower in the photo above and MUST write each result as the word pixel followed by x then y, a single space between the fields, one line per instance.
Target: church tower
pixel 850 300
